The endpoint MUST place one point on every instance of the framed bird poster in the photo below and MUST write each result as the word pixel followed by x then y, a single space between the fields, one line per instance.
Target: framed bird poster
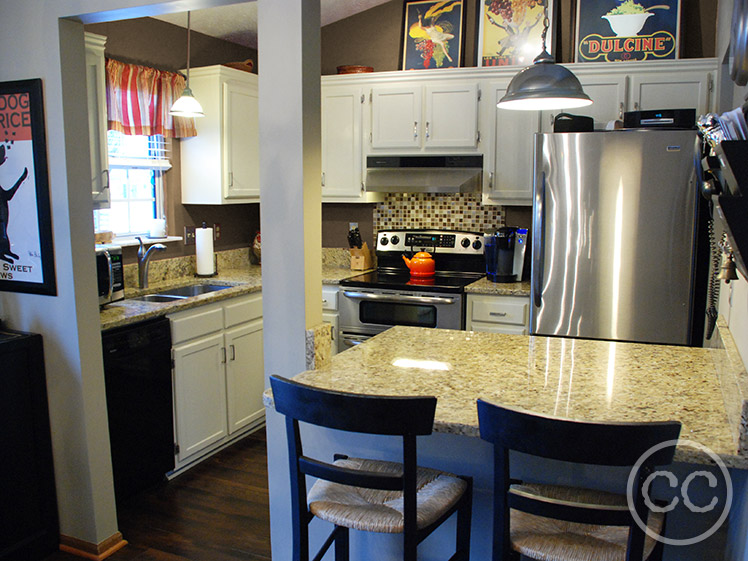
pixel 432 34
pixel 511 31
pixel 26 251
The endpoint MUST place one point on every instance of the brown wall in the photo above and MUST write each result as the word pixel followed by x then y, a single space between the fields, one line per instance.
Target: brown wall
pixel 374 38
pixel 151 42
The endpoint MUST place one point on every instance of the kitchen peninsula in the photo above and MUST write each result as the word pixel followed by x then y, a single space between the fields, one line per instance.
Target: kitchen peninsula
pixel 579 379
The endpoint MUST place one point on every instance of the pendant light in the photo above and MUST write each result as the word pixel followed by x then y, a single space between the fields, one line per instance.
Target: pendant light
pixel 545 84
pixel 187 105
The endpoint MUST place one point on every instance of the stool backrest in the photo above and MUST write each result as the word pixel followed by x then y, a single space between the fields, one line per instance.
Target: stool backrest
pixel 385 415
pixel 603 444
pixel 609 444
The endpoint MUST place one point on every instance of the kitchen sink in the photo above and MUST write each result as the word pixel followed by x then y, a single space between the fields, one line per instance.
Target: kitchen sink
pixel 158 298
pixel 192 290
pixel 182 292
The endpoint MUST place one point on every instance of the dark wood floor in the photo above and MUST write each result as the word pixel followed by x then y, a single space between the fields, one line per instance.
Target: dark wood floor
pixel 217 511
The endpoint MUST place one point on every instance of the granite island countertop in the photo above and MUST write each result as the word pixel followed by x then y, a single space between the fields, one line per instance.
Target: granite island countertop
pixel 485 286
pixel 572 378
pixel 244 280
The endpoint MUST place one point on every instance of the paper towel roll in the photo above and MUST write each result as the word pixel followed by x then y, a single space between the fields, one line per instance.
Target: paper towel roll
pixel 204 251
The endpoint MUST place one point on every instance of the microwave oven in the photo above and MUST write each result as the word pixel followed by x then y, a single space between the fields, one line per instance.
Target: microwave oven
pixel 110 274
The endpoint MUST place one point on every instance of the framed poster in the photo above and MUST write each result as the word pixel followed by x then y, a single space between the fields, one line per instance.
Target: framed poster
pixel 26 250
pixel 623 30
pixel 511 31
pixel 432 34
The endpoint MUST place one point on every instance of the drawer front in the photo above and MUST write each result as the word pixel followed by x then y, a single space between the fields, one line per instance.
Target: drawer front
pixel 500 310
pixel 195 323
pixel 330 298
pixel 499 328
pixel 243 310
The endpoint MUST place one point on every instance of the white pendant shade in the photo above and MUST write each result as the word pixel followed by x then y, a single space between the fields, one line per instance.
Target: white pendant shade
pixel 187 106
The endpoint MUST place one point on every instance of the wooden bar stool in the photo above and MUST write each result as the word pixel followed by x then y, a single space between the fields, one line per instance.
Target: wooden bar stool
pixel 557 523
pixel 365 494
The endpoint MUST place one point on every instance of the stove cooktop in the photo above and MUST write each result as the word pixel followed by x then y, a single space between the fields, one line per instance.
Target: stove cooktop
pixel 390 280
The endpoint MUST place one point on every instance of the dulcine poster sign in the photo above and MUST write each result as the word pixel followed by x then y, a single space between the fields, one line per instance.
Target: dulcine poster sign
pixel 627 30
pixel 26 251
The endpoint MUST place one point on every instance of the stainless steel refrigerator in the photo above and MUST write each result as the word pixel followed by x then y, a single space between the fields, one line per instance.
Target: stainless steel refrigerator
pixel 615 229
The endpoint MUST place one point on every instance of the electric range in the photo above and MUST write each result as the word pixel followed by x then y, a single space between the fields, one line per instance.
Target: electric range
pixel 377 300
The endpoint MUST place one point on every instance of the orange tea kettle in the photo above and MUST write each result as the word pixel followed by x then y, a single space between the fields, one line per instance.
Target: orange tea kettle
pixel 422 264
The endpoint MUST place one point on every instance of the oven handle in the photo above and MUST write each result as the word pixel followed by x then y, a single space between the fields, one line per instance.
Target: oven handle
pixel 400 298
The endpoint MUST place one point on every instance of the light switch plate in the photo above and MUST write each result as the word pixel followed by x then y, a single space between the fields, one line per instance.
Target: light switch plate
pixel 189 235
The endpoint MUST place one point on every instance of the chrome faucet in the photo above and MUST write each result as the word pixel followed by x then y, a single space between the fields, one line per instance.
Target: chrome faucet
pixel 143 260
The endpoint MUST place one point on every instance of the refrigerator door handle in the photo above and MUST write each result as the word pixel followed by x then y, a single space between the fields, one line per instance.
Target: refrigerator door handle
pixel 538 240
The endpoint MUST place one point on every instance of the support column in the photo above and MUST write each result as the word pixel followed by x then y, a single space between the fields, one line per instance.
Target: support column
pixel 290 209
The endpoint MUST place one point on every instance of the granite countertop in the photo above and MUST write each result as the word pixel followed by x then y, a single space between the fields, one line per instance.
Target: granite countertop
pixel 485 286
pixel 576 379
pixel 244 280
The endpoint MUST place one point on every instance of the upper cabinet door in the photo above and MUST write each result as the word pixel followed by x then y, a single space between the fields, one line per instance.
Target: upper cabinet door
pixel 341 141
pixel 682 89
pixel 396 117
pixel 451 116
pixel 97 119
pixel 241 141
pixel 608 94
pixel 511 159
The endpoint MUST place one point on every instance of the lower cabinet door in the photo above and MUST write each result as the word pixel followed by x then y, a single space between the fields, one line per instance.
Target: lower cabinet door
pixel 199 394
pixel 245 377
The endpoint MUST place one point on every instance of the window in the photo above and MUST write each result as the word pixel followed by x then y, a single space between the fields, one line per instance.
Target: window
pixel 136 167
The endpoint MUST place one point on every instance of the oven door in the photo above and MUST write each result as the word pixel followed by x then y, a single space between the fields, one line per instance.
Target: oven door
pixel 371 311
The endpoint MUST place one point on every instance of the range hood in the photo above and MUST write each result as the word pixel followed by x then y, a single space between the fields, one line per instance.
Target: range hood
pixel 424 174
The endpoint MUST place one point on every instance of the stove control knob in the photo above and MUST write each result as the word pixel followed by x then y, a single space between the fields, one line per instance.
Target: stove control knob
pixel 384 241
pixel 477 244
pixel 395 239
pixel 465 242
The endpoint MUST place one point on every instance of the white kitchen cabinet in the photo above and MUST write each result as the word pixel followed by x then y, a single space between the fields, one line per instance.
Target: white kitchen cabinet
pixel 498 314
pixel 512 141
pixel 97 119
pixel 221 164
pixel 218 375
pixel 330 313
pixel 342 110
pixel 415 117
pixel 619 87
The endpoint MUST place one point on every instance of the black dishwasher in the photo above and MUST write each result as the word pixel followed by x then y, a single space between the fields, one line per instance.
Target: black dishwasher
pixel 137 369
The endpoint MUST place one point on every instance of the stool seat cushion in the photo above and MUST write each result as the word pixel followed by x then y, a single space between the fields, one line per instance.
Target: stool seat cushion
pixel 373 510
pixel 548 539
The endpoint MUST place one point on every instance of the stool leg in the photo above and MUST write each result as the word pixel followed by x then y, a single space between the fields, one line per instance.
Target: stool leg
pixel 341 544
pixel 464 517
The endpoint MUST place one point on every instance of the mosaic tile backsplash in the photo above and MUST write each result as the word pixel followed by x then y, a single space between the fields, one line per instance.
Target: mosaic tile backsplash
pixel 463 211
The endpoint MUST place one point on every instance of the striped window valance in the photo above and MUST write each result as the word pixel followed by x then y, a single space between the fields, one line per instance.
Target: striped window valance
pixel 138 100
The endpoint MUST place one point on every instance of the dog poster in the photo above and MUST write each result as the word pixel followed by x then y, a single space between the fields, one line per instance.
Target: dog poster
pixel 26 258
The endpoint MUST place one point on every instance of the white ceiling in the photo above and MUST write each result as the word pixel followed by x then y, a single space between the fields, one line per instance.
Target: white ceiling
pixel 238 22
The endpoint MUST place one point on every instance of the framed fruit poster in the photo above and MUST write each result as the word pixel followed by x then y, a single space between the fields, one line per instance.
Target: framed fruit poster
pixel 625 30
pixel 26 252
pixel 511 31
pixel 432 34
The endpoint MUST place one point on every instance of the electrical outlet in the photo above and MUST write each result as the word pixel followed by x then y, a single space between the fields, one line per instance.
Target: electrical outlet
pixel 216 232
pixel 352 225
pixel 189 235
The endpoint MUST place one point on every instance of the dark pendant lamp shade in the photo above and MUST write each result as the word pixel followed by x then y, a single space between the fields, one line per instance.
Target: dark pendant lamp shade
pixel 544 85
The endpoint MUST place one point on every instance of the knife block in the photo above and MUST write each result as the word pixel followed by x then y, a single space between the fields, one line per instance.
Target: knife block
pixel 361 258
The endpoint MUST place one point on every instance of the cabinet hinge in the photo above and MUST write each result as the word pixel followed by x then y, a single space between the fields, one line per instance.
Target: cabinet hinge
pixel 371 97
pixel 370 138
pixel 479 94
pixel 176 449
pixel 173 364
pixel 363 98
pixel 477 138
pixel 710 83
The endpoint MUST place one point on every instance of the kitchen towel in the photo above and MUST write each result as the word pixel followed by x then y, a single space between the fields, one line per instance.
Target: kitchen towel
pixel 204 251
